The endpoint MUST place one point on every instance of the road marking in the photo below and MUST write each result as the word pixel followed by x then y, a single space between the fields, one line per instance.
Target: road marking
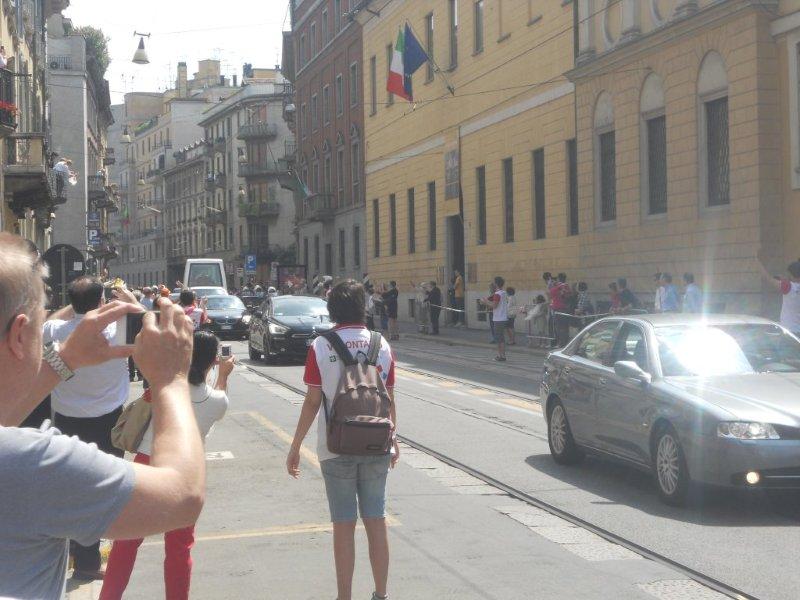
pixel 221 455
pixel 477 392
pixel 462 393
pixel 427 384
pixel 309 455
pixel 271 532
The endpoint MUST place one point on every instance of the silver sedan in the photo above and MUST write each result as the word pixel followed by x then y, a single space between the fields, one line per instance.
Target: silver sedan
pixel 713 399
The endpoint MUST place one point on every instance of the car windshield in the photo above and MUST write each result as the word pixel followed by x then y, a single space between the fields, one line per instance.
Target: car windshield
pixel 223 302
pixel 205 291
pixel 300 307
pixel 726 350
pixel 204 274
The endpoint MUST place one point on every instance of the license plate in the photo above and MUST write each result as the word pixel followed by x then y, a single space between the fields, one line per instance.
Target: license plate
pixel 309 342
pixel 226 327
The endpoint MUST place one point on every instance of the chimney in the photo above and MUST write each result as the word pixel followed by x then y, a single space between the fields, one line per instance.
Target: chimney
pixel 182 84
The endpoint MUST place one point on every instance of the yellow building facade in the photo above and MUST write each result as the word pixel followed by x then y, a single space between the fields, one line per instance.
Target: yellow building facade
pixel 440 170
pixel 601 138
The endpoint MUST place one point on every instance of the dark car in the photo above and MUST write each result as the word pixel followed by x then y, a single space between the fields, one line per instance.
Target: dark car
pixel 227 317
pixel 704 398
pixel 287 326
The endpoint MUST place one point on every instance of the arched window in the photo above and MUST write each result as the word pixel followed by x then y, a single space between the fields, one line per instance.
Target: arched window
pixel 605 166
pixel 653 147
pixel 714 149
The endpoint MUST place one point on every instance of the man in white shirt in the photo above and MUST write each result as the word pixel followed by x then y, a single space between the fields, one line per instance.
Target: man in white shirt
pixel 88 405
pixel 498 302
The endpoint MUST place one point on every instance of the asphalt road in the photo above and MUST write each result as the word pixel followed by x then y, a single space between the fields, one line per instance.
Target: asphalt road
pixel 486 415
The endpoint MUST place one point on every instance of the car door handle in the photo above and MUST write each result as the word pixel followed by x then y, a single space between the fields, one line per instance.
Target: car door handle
pixel 602 381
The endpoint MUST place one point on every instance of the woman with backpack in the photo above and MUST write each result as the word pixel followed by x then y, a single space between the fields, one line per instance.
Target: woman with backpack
pixel 354 460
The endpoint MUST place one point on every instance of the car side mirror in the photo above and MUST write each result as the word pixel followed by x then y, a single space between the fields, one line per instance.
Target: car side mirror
pixel 627 369
pixel 257 314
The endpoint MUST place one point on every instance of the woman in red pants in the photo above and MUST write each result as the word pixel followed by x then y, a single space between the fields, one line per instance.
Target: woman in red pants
pixel 209 406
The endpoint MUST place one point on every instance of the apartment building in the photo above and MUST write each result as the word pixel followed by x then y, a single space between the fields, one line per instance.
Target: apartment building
pixel 27 185
pixel 323 58
pixel 80 114
pixel 156 125
pixel 249 153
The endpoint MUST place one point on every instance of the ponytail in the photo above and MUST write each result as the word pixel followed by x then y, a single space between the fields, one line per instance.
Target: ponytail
pixel 204 354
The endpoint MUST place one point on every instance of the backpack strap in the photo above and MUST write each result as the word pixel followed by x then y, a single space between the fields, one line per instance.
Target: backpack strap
pixel 340 348
pixel 374 348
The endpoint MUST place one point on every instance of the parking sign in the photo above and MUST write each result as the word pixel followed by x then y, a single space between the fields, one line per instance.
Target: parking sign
pixel 250 263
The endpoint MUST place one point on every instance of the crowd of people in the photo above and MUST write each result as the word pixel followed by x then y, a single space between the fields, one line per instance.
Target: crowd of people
pixel 67 486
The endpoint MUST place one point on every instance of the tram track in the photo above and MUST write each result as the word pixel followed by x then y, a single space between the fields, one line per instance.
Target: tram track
pixel 531 500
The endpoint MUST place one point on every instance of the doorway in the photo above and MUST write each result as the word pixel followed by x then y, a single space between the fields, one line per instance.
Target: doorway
pixel 454 256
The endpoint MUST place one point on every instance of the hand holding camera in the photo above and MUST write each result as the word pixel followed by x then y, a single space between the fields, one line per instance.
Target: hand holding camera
pixel 163 350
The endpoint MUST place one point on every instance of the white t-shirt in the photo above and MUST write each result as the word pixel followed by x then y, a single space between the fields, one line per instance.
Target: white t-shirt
pixel 500 312
pixel 323 369
pixel 209 407
pixel 790 310
pixel 94 391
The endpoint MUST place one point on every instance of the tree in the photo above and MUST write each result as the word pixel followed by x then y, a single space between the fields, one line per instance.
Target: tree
pixel 97 57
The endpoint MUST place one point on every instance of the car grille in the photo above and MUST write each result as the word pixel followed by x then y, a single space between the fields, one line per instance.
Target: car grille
pixel 227 321
pixel 303 336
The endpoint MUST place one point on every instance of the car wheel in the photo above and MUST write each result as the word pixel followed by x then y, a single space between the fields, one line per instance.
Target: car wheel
pixel 268 358
pixel 669 467
pixel 559 437
pixel 253 354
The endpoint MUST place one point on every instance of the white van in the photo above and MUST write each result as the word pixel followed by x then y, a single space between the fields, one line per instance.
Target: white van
pixel 204 273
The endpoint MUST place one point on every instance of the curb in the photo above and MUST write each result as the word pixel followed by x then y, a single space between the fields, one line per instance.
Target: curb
pixel 456 342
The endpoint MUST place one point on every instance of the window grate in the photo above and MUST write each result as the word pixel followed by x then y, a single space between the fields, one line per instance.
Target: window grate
pixel 572 174
pixel 718 152
pixel 538 194
pixel 608 177
pixel 480 175
pixel 392 224
pixel 657 165
pixel 412 222
pixel 508 198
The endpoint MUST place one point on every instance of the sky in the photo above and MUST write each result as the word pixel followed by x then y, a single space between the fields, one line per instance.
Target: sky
pixel 182 30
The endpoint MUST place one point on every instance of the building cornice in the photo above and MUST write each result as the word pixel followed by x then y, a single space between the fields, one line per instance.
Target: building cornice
pixel 674 31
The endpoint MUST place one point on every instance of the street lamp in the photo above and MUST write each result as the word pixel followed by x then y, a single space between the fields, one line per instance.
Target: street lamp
pixel 126 137
pixel 140 56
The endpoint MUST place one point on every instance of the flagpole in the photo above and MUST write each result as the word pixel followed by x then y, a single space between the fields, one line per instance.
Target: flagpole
pixel 436 68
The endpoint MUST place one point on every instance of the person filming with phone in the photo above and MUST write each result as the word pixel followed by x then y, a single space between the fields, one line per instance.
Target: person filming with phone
pixel 56 487
pixel 89 404
pixel 209 406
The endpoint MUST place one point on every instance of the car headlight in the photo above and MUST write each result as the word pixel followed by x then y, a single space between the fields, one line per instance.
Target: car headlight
pixel 209 320
pixel 747 430
pixel 246 319
pixel 276 329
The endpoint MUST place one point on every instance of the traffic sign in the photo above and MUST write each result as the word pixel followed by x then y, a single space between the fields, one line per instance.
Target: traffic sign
pixel 250 263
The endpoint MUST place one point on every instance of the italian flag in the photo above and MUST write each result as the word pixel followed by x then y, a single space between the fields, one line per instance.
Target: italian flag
pixel 396 81
pixel 408 56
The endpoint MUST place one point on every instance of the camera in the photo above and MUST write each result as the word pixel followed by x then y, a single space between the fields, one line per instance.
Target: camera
pixel 129 326
pixel 225 351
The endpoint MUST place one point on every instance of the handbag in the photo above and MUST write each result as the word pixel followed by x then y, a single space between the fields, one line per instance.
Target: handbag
pixel 132 424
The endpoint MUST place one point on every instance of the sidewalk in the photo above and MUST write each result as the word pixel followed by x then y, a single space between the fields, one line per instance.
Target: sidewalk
pixel 475 338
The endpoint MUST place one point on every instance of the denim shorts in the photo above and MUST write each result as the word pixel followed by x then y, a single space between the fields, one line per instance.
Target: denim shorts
pixel 353 482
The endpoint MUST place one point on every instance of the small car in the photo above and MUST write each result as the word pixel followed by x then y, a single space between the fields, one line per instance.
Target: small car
pixel 286 326
pixel 228 317
pixel 706 398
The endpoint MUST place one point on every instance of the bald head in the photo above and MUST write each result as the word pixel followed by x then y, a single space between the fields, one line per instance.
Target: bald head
pixel 21 274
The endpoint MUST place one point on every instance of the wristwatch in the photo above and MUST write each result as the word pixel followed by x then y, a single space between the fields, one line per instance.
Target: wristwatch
pixel 53 358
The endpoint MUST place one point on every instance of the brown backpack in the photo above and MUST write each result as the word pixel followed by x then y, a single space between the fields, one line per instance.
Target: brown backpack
pixel 359 416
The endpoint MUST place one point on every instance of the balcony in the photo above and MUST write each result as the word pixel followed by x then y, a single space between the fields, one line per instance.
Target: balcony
pixel 259 210
pixel 216 216
pixel 8 109
pixel 153 173
pixel 210 183
pixel 219 144
pixel 99 192
pixel 289 151
pixel 220 180
pixel 265 169
pixel 254 131
pixel 29 177
pixel 318 207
